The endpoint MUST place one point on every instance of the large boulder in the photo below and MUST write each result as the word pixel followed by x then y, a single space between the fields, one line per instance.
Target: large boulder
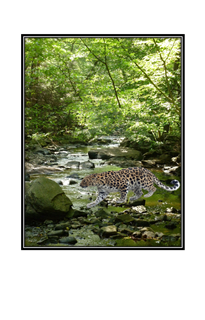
pixel 116 153
pixel 45 199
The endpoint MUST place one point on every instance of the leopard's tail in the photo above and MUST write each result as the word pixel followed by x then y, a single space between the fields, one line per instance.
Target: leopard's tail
pixel 161 185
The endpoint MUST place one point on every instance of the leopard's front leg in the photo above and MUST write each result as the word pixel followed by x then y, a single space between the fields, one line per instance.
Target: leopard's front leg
pixel 102 195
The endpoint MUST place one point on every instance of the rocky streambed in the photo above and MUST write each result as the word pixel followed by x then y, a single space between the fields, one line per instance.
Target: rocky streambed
pixel 55 206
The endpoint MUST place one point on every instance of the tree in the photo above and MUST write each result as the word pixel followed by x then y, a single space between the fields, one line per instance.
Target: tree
pixel 93 86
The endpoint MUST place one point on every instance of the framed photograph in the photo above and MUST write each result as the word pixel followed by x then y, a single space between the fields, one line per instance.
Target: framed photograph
pixel 103 142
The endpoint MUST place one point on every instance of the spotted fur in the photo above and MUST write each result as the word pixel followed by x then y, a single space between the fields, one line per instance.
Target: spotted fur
pixel 130 179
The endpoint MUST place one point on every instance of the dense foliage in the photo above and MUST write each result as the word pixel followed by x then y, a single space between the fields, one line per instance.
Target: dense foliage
pixel 83 87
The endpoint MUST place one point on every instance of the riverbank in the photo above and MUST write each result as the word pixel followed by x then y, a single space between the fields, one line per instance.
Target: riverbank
pixel 157 224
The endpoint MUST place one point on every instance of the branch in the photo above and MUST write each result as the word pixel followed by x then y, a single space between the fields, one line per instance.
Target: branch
pixel 107 68
pixel 146 75
pixel 106 64
pixel 165 71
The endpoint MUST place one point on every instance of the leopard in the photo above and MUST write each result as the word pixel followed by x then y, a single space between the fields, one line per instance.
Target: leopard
pixel 130 179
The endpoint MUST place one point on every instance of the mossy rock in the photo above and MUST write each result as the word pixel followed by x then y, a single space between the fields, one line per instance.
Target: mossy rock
pixel 46 200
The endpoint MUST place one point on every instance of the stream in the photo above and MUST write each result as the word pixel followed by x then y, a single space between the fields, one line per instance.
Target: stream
pixel 157 206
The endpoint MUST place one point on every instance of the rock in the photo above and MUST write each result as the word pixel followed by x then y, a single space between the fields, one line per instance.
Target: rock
pixel 108 231
pixel 27 177
pixel 46 222
pixel 73 164
pixel 57 233
pixel 139 209
pixel 77 213
pixel 148 235
pixel 43 241
pixel 177 159
pixel 42 150
pixel 152 154
pixel 136 203
pixel 93 154
pixel 176 170
pixel 126 243
pixel 171 225
pixel 62 226
pixel 146 229
pixel 76 225
pixel 125 218
pixel 27 186
pixel 73 182
pixel 115 152
pixel 149 163
pixel 87 165
pixel 159 234
pixel 169 238
pixel 40 169
pixel 162 217
pixel 141 223
pixel 137 234
pixel 171 210
pixel 70 240
pixel 125 229
pixel 46 200
pixel 165 158
pixel 74 176
pixel 124 163
pixel 102 214
pixel 172 170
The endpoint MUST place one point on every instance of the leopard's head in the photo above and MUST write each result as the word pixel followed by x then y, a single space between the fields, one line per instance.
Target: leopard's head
pixel 88 181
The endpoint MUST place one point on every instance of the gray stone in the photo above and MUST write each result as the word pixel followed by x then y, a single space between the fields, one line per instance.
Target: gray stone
pixel 171 210
pixel 141 223
pixel 149 163
pixel 27 177
pixel 148 235
pixel 42 150
pixel 73 182
pixel 69 240
pixel 48 222
pixel 171 225
pixel 136 203
pixel 125 218
pixel 161 218
pixel 169 238
pixel 40 169
pixel 102 214
pixel 62 226
pixel 78 213
pixel 73 164
pixel 115 152
pixel 137 234
pixel 87 165
pixel 57 233
pixel 139 209
pixel 73 175
pixel 109 230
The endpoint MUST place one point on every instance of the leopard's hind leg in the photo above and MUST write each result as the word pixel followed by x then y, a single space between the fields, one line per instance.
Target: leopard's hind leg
pixel 151 190
pixel 138 193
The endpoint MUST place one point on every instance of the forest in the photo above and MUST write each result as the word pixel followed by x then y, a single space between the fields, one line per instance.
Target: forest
pixel 81 88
